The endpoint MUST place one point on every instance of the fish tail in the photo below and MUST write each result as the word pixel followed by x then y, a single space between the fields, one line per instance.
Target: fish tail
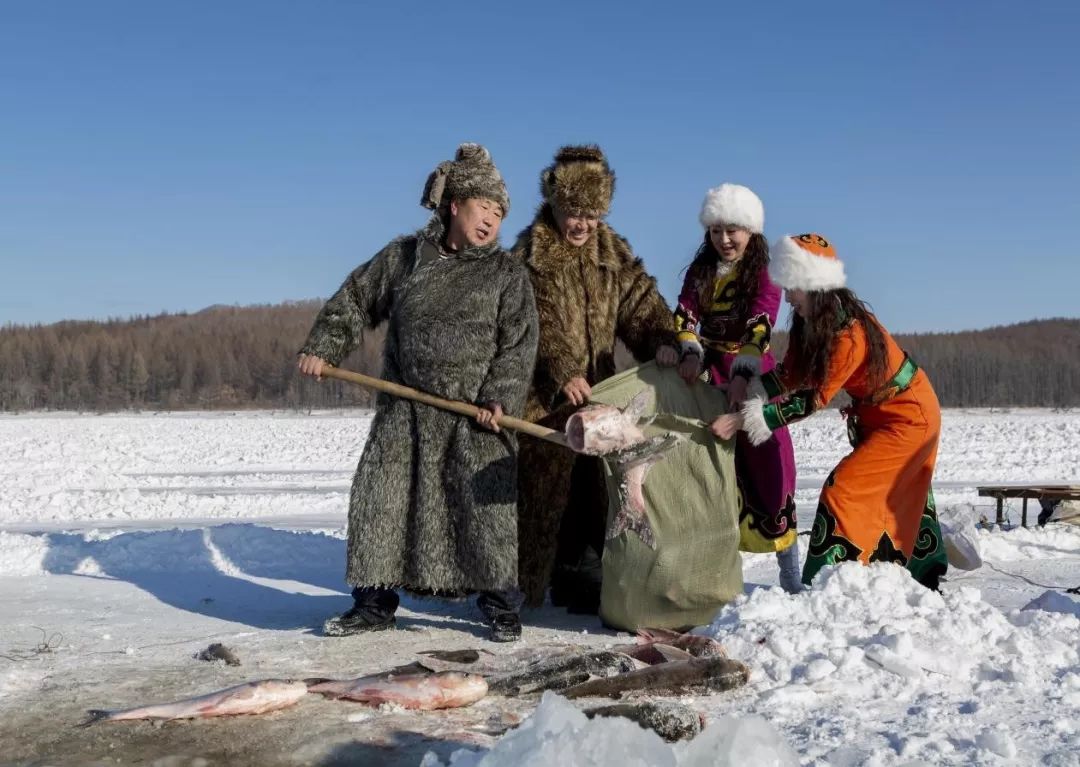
pixel 627 520
pixel 94 715
pixel 658 635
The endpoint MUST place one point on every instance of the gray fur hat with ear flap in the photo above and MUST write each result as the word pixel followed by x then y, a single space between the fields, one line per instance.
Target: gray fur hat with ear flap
pixel 470 174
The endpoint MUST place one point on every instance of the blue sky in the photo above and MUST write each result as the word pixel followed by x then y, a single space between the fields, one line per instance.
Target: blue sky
pixel 169 156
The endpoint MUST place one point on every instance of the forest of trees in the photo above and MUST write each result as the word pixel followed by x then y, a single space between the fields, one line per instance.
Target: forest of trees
pixel 233 357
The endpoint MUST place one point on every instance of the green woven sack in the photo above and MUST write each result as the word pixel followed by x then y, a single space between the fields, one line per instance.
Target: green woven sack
pixel 691 498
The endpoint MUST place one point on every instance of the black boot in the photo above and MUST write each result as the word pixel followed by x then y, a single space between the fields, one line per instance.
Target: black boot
pixel 500 609
pixel 584 585
pixel 1048 506
pixel 373 610
pixel 562 585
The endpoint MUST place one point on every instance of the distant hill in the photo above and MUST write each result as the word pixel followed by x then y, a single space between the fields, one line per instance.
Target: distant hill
pixel 1029 364
pixel 244 357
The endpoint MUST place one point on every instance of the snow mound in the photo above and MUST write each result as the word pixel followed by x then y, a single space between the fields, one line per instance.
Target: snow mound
pixel 1032 543
pixel 1054 602
pixel 558 733
pixel 872 630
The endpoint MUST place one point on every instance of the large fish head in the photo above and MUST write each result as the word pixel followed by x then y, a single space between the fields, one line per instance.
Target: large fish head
pixel 459 688
pixel 602 429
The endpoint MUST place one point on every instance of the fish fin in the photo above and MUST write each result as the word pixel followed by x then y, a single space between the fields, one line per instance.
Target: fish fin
pixel 670 653
pixel 638 404
pixel 94 715
pixel 455 656
pixel 632 515
pixel 656 635
pixel 627 520
pixel 624 524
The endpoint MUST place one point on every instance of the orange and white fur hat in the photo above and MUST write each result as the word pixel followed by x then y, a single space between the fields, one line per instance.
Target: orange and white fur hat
pixel 806 262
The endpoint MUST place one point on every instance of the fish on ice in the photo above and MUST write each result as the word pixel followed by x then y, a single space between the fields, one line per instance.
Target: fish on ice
pixel 420 690
pixel 249 698
pixel 655 646
pixel 696 675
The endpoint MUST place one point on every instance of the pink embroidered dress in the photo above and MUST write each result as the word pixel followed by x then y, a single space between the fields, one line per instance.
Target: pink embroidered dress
pixel 708 322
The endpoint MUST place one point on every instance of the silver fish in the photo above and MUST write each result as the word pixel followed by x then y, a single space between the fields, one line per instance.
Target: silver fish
pixel 249 698
pixel 560 672
pixel 424 691
pixel 694 675
pixel 654 646
pixel 490 664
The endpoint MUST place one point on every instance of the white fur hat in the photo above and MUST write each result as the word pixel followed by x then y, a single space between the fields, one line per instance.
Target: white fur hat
pixel 733 204
pixel 806 262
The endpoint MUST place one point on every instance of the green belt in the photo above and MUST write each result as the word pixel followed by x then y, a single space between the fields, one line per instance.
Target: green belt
pixel 899 383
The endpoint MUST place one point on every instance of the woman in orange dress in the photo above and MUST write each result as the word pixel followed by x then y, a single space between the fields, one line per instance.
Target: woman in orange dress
pixel 877 504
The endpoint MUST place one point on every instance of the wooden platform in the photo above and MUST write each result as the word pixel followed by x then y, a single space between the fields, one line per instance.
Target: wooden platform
pixel 1026 492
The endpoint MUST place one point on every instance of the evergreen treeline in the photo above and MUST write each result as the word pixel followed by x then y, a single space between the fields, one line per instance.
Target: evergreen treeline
pixel 232 357
pixel 221 357
pixel 1030 364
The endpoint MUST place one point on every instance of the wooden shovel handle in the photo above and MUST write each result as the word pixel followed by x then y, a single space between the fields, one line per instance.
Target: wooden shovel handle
pixel 454 406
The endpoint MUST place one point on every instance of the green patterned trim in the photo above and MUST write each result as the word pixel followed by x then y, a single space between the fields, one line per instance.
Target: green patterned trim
pixel 899 383
pixel 794 407
pixel 771 382
pixel 929 561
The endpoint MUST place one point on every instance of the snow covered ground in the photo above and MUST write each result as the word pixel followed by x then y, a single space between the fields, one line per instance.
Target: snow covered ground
pixel 129 542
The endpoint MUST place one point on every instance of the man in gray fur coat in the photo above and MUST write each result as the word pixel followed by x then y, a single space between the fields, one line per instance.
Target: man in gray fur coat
pixel 433 502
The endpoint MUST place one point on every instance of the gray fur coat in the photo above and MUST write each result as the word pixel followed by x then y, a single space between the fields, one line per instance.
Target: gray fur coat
pixel 433 501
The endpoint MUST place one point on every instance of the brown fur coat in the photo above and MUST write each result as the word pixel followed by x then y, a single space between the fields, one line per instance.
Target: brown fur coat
pixel 587 297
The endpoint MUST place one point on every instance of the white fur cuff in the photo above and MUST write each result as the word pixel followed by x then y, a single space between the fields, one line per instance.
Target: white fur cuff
pixel 754 420
pixel 691 347
pixel 746 364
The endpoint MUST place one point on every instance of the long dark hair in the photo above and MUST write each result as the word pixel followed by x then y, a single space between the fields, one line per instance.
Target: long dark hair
pixel 756 257
pixel 812 339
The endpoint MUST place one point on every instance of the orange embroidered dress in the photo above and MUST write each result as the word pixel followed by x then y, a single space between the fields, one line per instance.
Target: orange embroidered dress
pixel 877 503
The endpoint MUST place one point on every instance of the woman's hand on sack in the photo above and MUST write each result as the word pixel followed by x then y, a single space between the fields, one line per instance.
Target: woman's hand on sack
pixel 310 365
pixel 488 416
pixel 736 393
pixel 726 425
pixel 690 368
pixel 667 356
pixel 577 391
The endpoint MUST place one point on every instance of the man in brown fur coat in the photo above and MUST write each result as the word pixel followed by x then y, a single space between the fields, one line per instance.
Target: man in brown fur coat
pixel 590 290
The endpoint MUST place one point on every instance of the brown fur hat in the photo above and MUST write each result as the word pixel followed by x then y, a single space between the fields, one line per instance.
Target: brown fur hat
pixel 580 180
pixel 470 174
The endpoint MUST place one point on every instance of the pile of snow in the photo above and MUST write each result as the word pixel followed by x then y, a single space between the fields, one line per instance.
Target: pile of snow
pixel 558 733
pixel 1025 544
pixel 1054 602
pixel 931 675
pixel 861 628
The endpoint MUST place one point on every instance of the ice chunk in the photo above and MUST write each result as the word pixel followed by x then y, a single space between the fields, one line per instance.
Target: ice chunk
pixel 738 741
pixel 559 734
pixel 998 742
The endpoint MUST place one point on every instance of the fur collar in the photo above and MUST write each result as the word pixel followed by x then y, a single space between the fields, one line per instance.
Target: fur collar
pixel 435 233
pixel 549 252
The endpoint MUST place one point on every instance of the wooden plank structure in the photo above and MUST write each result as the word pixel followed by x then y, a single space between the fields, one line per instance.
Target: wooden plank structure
pixel 1026 492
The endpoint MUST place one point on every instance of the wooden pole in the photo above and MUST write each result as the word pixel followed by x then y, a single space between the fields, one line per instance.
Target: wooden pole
pixel 454 406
